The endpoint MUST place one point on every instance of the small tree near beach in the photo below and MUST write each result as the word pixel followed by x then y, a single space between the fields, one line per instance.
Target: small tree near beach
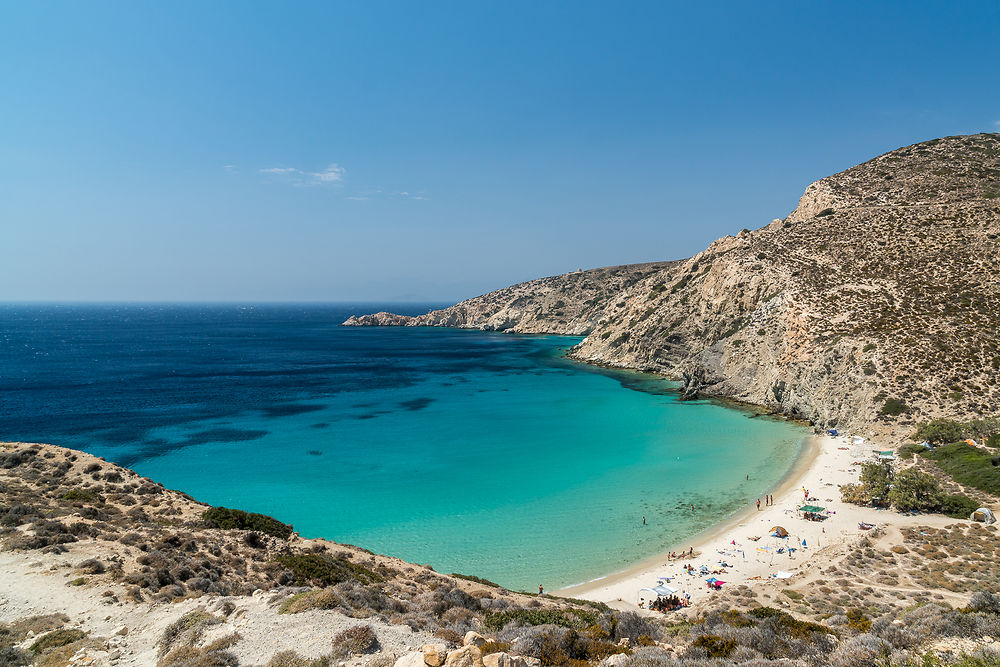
pixel 913 490
pixel 940 431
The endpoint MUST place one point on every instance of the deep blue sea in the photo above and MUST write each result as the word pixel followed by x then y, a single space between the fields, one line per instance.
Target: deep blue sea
pixel 480 453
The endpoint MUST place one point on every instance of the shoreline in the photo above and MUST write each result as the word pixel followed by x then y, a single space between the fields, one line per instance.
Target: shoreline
pixel 805 459
pixel 742 552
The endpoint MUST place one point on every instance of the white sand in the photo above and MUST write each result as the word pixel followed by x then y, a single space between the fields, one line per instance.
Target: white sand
pixel 821 470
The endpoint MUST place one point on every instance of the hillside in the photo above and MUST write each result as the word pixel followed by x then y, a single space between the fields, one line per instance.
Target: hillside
pixel 872 305
pixel 572 304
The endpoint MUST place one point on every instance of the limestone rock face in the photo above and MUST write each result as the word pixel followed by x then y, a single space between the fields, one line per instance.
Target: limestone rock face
pixel 871 306
pixel 467 656
pixel 434 654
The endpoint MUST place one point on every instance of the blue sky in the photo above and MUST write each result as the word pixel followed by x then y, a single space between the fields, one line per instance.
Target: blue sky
pixel 375 150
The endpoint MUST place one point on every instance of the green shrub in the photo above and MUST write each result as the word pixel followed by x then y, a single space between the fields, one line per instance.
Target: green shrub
pixel 868 348
pixel 715 646
pixel 913 490
pixel 993 441
pixel 968 465
pixel 893 407
pixel 325 570
pixel 324 598
pixel 858 621
pixel 958 506
pixel 567 618
pixel 909 450
pixel 790 624
pixel 187 629
pixel 358 639
pixel 230 519
pixel 478 580
pixel 293 659
pixel 79 495
pixel 57 638
pixel 876 479
pixel 940 431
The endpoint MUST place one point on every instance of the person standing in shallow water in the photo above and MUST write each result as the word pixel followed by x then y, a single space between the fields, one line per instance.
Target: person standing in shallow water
pixel 758 504
pixel 644 521
pixel 540 589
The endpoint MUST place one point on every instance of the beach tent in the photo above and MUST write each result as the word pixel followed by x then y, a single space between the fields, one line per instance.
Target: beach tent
pixel 984 514
pixel 654 592
pixel 783 575
pixel 857 440
pixel 778 531
pixel 811 508
pixel 832 431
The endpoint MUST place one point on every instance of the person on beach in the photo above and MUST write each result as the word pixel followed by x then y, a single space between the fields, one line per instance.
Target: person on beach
pixel 758 504
pixel 540 589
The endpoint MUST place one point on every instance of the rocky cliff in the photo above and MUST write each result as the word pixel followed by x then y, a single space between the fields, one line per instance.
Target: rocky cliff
pixel 873 304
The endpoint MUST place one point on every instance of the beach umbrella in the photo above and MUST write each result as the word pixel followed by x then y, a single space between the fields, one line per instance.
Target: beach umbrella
pixel 778 531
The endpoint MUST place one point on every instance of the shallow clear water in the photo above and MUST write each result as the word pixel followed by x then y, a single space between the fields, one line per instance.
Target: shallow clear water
pixel 475 452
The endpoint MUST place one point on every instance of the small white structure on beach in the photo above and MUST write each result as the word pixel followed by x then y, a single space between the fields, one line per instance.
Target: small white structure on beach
pixel 653 592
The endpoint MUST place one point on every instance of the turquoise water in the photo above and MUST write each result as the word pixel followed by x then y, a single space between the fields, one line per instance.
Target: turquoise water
pixel 478 453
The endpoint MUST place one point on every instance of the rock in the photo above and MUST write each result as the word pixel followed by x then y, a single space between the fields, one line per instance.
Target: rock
pixel 473 638
pixel 625 641
pixel 434 654
pixel 531 662
pixel 467 656
pixel 506 660
pixel 613 660
pixel 414 659
pixel 121 630
pixel 498 660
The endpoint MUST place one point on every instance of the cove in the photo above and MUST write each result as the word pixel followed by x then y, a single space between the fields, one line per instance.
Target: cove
pixel 474 452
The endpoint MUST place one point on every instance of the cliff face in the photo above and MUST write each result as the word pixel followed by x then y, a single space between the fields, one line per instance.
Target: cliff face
pixel 873 304
pixel 571 304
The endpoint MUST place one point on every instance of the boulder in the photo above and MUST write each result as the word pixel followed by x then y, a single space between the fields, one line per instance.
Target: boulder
pixel 507 660
pixel 531 662
pixel 467 656
pixel 434 654
pixel 414 659
pixel 473 638
pixel 614 660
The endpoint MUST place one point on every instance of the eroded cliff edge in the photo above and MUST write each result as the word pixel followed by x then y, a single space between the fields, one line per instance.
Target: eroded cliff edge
pixel 873 304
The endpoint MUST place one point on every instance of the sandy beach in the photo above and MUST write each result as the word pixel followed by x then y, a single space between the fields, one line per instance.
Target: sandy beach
pixel 730 551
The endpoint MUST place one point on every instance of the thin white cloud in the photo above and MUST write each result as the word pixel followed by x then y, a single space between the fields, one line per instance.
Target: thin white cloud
pixel 280 170
pixel 357 198
pixel 332 174
pixel 997 123
pixel 229 167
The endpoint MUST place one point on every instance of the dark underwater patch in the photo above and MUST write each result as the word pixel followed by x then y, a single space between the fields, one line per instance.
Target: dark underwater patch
pixel 291 409
pixel 416 403
pixel 367 415
pixel 320 425
pixel 315 452
pixel 223 435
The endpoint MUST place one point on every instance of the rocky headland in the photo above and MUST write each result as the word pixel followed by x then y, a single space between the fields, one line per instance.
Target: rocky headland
pixel 871 306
